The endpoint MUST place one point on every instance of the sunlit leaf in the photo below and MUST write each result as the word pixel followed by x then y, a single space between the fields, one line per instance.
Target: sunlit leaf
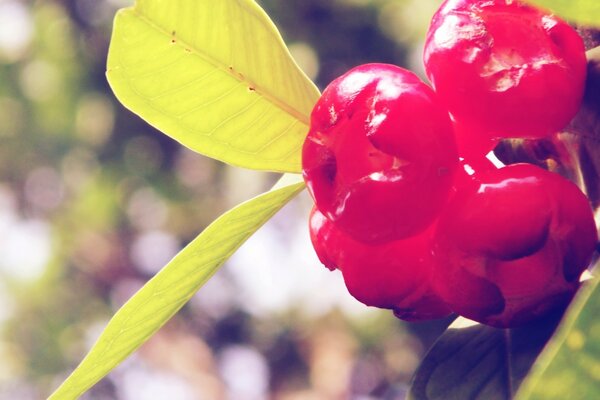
pixel 153 305
pixel 214 75
pixel 585 12
pixel 569 368
pixel 471 361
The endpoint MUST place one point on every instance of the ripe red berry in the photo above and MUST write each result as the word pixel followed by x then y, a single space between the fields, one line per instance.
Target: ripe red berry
pixel 325 239
pixel 470 142
pixel 394 275
pixel 504 68
pixel 512 244
pixel 380 154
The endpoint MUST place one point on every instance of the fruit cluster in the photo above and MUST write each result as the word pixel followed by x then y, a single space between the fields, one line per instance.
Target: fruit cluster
pixel 407 205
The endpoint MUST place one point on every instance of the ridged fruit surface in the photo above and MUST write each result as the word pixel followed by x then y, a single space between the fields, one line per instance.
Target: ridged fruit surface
pixel 511 245
pixel 380 154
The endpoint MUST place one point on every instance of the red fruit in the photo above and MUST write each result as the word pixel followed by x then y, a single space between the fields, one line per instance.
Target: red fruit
pixel 325 239
pixel 512 244
pixel 470 142
pixel 469 169
pixel 504 68
pixel 395 275
pixel 380 154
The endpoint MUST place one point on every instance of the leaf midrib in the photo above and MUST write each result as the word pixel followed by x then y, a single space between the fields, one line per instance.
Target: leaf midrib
pixel 226 69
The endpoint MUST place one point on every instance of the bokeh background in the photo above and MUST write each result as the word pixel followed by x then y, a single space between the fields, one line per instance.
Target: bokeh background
pixel 93 202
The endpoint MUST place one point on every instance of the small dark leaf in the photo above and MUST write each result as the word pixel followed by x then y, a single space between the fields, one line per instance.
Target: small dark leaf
pixel 477 362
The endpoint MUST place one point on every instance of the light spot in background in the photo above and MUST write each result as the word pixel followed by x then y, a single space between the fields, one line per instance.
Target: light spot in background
pixel 44 188
pixel 13 365
pixel 144 383
pixel 415 60
pixel 243 184
pixel 391 21
pixel 306 57
pixel 576 340
pixel 40 80
pixel 332 352
pixel 95 252
pixel 406 23
pixel 216 298
pixel 152 250
pixel 408 20
pixel 95 119
pixel 60 30
pixel 146 209
pixel 16 30
pixel 78 167
pixel 193 169
pixel 93 332
pixel 276 272
pixel 25 249
pixel 19 389
pixel 245 373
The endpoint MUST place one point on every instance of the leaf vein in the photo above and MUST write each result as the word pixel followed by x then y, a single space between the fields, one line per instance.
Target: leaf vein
pixel 287 108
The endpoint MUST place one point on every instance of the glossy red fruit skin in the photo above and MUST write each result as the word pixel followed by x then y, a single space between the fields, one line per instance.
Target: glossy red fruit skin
pixel 326 239
pixel 512 244
pixel 395 275
pixel 471 144
pixel 380 154
pixel 505 68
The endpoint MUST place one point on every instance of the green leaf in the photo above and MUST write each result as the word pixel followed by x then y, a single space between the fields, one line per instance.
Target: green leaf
pixel 153 305
pixel 471 361
pixel 216 76
pixel 569 368
pixel 584 12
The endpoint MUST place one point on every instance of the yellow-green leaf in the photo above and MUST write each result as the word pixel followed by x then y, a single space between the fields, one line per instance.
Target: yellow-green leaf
pixel 584 12
pixel 214 75
pixel 569 367
pixel 153 305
